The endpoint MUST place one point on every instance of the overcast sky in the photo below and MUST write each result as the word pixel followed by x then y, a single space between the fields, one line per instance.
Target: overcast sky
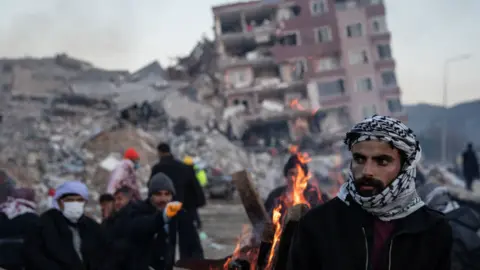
pixel 127 34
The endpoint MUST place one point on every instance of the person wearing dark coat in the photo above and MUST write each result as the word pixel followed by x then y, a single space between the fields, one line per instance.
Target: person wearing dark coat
pixel 154 229
pixel 188 189
pixel 470 166
pixel 377 221
pixel 66 239
pixel 290 172
pixel 117 230
pixel 18 218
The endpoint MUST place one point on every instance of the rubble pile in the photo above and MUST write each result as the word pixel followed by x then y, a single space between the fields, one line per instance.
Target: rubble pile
pixel 218 152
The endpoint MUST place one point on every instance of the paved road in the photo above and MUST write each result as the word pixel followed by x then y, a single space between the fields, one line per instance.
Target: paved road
pixel 223 223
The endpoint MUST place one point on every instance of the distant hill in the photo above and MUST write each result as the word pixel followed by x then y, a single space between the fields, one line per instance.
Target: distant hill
pixel 463 122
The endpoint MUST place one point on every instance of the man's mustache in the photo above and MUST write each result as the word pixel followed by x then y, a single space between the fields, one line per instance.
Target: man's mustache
pixel 368 181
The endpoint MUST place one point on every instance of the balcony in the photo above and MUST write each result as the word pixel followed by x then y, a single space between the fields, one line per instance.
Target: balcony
pixel 380 36
pixel 271 85
pixel 254 59
pixel 385 63
pixel 329 102
pixel 393 90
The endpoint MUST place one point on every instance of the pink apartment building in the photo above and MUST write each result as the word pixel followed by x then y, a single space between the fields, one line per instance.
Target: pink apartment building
pixel 326 55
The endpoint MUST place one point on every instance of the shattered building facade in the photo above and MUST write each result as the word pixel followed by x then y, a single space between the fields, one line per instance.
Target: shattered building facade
pixel 310 56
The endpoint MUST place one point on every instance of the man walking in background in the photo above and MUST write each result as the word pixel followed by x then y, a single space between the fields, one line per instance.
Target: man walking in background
pixel 470 166
pixel 188 189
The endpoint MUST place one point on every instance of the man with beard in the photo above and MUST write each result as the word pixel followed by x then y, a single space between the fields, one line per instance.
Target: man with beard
pixel 154 229
pixel 377 221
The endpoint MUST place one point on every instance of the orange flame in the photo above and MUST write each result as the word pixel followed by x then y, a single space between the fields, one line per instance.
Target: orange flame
pixel 295 105
pixel 237 253
pixel 294 197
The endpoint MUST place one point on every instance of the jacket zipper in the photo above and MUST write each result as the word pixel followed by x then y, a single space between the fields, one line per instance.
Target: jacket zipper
pixel 366 248
pixel 390 255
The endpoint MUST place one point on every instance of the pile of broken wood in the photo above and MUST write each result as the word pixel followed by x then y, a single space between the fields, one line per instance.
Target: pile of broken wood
pixel 259 219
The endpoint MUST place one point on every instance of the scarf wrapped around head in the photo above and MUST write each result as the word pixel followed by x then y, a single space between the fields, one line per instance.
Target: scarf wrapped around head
pixel 399 199
pixel 21 201
pixel 70 187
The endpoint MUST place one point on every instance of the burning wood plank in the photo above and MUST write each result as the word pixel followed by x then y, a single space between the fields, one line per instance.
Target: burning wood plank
pixel 251 201
pixel 265 245
pixel 292 218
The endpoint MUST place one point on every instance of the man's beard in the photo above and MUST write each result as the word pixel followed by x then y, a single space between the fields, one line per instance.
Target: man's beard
pixel 368 187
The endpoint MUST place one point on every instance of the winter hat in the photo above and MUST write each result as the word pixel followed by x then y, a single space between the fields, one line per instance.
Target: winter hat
pixel 70 187
pixel 131 154
pixel 292 163
pixel 160 181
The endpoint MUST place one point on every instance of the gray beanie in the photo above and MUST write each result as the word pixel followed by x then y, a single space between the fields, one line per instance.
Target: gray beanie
pixel 160 181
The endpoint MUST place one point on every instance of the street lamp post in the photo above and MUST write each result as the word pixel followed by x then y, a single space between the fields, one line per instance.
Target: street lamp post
pixel 445 100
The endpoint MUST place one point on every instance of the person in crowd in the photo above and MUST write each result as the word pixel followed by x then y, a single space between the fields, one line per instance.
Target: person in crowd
pixel 470 166
pixel 199 171
pixel 377 221
pixel 117 230
pixel 20 217
pixel 154 227
pixel 107 202
pixel 66 239
pixel 124 173
pixel 202 179
pixel 282 195
pixel 188 190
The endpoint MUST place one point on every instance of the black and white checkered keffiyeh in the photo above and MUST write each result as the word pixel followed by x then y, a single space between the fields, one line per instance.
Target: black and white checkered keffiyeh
pixel 400 198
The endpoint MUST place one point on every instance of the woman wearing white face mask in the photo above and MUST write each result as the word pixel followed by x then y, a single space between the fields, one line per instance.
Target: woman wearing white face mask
pixel 66 239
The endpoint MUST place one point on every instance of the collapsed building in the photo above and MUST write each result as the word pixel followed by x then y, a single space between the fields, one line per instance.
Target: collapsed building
pixel 285 65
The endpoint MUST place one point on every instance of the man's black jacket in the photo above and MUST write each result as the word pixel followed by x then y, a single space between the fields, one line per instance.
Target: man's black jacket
pixel 117 231
pixel 50 245
pixel 12 236
pixel 153 246
pixel 187 188
pixel 335 236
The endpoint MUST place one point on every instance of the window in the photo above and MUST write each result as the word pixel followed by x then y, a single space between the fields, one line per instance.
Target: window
pixel 384 52
pixel 364 84
pixel 369 111
pixel 289 40
pixel 389 79
pixel 237 77
pixel 298 69
pixel 394 105
pixel 324 34
pixel 334 88
pixel 358 57
pixel 354 30
pixel 319 7
pixel 379 25
pixel 345 4
pixel 327 63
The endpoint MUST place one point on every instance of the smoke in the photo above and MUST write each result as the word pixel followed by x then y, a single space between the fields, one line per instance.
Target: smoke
pixel 100 31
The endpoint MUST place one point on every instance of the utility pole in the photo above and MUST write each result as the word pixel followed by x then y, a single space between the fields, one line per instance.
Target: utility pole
pixel 444 140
